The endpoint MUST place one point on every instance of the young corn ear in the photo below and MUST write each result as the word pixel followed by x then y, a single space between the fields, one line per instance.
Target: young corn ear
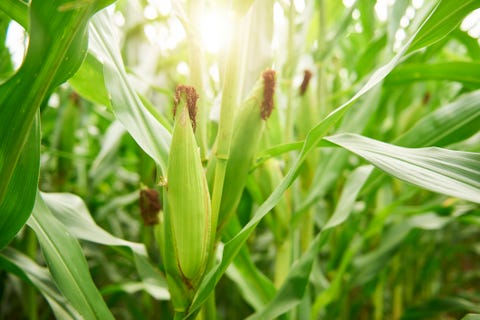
pixel 189 225
pixel 249 126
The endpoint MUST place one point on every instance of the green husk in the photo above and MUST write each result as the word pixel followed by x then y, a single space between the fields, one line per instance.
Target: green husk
pixel 249 126
pixel 189 212
pixel 189 230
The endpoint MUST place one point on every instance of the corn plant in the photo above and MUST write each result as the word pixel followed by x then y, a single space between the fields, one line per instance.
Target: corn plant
pixel 320 162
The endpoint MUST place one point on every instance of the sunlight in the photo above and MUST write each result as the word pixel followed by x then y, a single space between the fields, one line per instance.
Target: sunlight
pixel 16 43
pixel 471 24
pixel 215 30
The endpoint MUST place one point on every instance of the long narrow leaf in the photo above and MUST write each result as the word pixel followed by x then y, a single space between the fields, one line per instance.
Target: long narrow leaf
pixel 453 173
pixel 447 16
pixel 20 194
pixel 449 124
pixel 67 263
pixel 461 71
pixel 72 213
pixel 17 10
pixel 149 133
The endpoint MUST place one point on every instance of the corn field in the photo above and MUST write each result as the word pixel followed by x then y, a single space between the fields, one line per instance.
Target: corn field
pixel 227 159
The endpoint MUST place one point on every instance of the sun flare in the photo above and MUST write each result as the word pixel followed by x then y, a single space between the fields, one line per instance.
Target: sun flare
pixel 215 30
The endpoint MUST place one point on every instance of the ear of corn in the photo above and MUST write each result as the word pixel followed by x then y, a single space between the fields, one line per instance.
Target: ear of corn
pixel 249 126
pixel 189 225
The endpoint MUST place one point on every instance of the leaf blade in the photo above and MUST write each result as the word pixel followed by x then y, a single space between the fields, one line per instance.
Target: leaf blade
pixel 440 170
pixel 67 263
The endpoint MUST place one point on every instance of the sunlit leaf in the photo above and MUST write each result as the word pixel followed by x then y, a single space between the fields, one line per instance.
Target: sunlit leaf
pixel 454 173
pixel 446 17
pixel 461 71
pixel 89 81
pixel 451 123
pixel 149 133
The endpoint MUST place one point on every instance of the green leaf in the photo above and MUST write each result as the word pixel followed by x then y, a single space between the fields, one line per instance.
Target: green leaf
pixel 453 173
pixel 16 262
pixel 451 123
pixel 89 81
pixel 17 10
pixel 147 131
pixel 57 46
pixel 367 16
pixel 280 149
pixel 370 56
pixel 461 71
pixel 73 214
pixel 67 263
pixel 153 282
pixel 349 193
pixel 71 211
pixel 102 165
pixel 472 316
pixel 20 194
pixel 445 18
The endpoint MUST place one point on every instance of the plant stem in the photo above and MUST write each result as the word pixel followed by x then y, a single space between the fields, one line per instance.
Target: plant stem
pixel 378 297
pixel 282 261
pixel 32 302
pixel 209 309
pixel 227 112
pixel 179 315
pixel 397 289
pixel 288 73
pixel 197 71
pixel 306 230
pixel 321 74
